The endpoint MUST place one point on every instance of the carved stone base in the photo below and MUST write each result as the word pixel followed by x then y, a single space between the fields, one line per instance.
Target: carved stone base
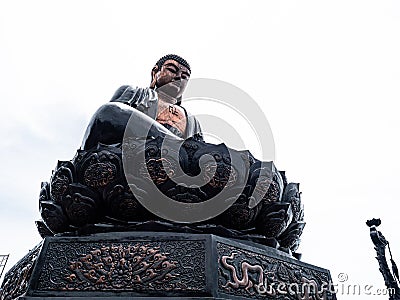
pixel 161 265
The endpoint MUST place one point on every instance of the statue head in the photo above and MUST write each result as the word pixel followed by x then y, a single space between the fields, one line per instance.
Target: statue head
pixel 172 73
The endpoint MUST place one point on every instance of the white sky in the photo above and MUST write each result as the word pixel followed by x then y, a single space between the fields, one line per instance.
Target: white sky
pixel 325 73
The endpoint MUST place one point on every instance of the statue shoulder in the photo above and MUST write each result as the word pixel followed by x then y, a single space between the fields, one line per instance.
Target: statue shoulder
pixel 143 99
pixel 124 93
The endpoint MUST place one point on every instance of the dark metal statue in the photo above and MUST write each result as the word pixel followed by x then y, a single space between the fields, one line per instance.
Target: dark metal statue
pixel 391 276
pixel 91 193
pixel 106 221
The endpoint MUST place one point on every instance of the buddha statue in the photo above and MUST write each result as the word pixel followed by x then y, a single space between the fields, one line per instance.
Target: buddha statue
pixel 96 191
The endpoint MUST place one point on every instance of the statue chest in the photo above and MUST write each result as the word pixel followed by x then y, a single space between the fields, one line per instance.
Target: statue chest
pixel 171 115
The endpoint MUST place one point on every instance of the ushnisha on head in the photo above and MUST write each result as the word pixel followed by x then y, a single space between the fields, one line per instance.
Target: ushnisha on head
pixel 170 76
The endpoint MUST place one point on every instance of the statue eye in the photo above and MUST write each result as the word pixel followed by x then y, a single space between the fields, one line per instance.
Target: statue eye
pixel 171 70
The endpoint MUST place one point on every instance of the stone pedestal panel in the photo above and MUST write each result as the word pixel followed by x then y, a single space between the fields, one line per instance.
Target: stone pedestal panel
pixel 154 265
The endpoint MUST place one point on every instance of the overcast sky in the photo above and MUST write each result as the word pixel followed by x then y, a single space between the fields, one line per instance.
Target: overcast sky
pixel 325 73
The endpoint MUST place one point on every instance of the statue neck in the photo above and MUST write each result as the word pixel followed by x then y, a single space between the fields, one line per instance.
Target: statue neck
pixel 167 98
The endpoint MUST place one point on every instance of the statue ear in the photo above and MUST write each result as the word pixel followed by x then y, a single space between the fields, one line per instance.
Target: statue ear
pixel 179 101
pixel 153 77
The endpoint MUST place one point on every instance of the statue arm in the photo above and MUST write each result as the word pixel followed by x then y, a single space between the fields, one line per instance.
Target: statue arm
pixel 197 132
pixel 193 128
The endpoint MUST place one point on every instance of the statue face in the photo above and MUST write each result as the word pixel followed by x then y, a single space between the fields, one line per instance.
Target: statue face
pixel 172 77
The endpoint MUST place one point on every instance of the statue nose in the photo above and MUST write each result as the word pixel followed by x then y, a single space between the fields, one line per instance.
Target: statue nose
pixel 178 75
